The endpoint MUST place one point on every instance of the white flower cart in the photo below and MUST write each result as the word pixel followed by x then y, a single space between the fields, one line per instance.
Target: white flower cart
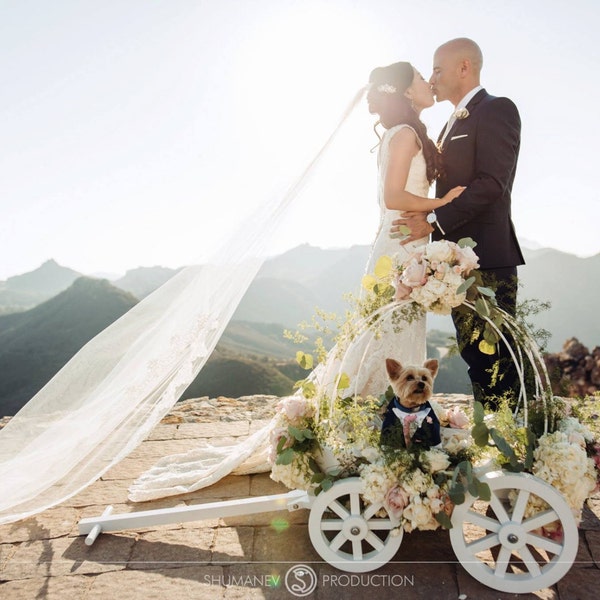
pixel 519 536
pixel 496 544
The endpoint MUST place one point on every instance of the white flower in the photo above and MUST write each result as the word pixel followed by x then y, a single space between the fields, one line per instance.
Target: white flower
pixel 295 408
pixel 460 113
pixel 386 88
pixel 439 251
pixel 467 259
pixel 435 460
pixel 297 475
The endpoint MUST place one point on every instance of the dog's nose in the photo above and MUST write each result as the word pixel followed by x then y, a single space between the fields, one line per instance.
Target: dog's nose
pixel 420 385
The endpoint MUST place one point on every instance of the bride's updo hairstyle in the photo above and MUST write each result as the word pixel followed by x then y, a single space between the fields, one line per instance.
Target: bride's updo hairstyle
pixel 387 99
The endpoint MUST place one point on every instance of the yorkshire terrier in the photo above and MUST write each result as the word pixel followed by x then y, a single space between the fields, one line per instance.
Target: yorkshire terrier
pixel 410 419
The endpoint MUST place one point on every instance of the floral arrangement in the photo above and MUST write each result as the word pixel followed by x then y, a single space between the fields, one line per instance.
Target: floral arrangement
pixel 435 276
pixel 420 486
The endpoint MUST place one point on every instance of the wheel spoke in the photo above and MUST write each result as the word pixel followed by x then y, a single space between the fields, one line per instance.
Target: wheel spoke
pixel 532 565
pixel 371 510
pixel 337 541
pixel 357 549
pixel 541 519
pixel 331 524
pixel 338 509
pixel 374 541
pixel 484 543
pixel 355 504
pixel 499 509
pixel 502 561
pixel 488 523
pixel 380 524
pixel 520 505
pixel 544 543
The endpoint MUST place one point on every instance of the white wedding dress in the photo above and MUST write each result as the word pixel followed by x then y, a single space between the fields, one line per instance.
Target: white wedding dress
pixel 363 360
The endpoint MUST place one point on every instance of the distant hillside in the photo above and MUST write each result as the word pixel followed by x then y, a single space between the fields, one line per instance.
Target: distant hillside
pixel 570 284
pixel 144 280
pixel 35 344
pixel 25 291
pixel 234 376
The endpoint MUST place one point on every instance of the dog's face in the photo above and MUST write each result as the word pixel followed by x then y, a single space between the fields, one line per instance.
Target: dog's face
pixel 413 386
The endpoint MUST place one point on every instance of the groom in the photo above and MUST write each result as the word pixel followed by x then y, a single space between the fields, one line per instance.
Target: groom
pixel 480 147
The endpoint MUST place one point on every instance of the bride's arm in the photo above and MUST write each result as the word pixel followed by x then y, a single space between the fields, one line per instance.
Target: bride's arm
pixel 403 148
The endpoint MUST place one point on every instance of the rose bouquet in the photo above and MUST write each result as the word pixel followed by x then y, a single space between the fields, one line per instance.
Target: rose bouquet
pixel 436 275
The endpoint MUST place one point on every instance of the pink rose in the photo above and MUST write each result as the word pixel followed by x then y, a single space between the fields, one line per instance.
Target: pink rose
pixel 295 408
pixel 457 419
pixel 396 500
pixel 414 274
pixel 467 259
pixel 402 291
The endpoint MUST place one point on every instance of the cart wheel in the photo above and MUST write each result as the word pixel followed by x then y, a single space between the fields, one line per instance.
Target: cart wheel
pixel 350 534
pixel 507 551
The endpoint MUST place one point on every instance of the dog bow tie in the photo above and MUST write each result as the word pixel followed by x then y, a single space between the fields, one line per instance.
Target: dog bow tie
pixel 419 416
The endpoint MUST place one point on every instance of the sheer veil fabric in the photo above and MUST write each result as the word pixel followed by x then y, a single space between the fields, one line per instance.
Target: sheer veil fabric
pixel 111 394
pixel 361 357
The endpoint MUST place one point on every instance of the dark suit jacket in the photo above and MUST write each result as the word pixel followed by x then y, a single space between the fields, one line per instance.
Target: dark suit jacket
pixel 481 152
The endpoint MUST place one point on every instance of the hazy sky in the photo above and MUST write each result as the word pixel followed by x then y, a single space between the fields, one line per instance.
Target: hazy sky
pixel 140 132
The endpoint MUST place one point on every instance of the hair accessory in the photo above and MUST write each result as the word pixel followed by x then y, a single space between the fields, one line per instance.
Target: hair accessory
pixel 386 88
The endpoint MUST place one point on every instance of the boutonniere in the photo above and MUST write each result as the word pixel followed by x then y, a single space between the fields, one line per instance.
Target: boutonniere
pixel 461 113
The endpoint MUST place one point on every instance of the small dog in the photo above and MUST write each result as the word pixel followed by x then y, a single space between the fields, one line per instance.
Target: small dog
pixel 410 419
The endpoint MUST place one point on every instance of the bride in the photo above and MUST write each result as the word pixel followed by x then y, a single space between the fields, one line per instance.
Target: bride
pixel 408 162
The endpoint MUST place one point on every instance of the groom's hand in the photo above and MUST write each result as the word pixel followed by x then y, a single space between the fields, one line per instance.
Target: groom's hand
pixel 416 224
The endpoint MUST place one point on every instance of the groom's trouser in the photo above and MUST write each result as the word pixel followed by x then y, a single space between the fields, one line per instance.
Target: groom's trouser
pixel 487 388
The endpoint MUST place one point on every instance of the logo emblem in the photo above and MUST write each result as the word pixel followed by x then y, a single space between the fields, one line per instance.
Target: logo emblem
pixel 300 580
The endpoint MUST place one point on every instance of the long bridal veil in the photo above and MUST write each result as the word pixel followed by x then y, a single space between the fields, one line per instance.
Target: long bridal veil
pixel 111 394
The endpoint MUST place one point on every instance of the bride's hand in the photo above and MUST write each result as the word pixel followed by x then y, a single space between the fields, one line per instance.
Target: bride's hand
pixel 454 193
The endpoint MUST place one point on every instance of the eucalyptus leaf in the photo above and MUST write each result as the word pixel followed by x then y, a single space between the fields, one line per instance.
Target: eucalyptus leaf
pixel 483 491
pixel 286 457
pixel 502 444
pixel 404 230
pixel 456 497
pixel 466 242
pixel 490 335
pixel 318 477
pixel 478 412
pixel 326 484
pixel 465 285
pixel 443 519
pixel 474 489
pixel 281 443
pixel 486 291
pixel 482 307
pixel 480 434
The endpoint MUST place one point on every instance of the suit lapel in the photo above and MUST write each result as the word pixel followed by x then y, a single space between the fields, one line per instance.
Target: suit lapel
pixel 475 100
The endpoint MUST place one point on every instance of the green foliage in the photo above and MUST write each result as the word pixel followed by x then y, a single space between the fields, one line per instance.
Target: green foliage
pixel 514 444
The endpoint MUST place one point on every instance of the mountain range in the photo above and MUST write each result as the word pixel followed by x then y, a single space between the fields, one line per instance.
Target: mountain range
pixel 51 312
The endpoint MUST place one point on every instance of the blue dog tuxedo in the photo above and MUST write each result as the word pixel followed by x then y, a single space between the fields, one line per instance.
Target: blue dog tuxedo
pixel 403 426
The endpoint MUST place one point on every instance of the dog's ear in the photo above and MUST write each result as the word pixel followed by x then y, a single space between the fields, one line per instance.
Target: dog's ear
pixel 393 367
pixel 432 366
